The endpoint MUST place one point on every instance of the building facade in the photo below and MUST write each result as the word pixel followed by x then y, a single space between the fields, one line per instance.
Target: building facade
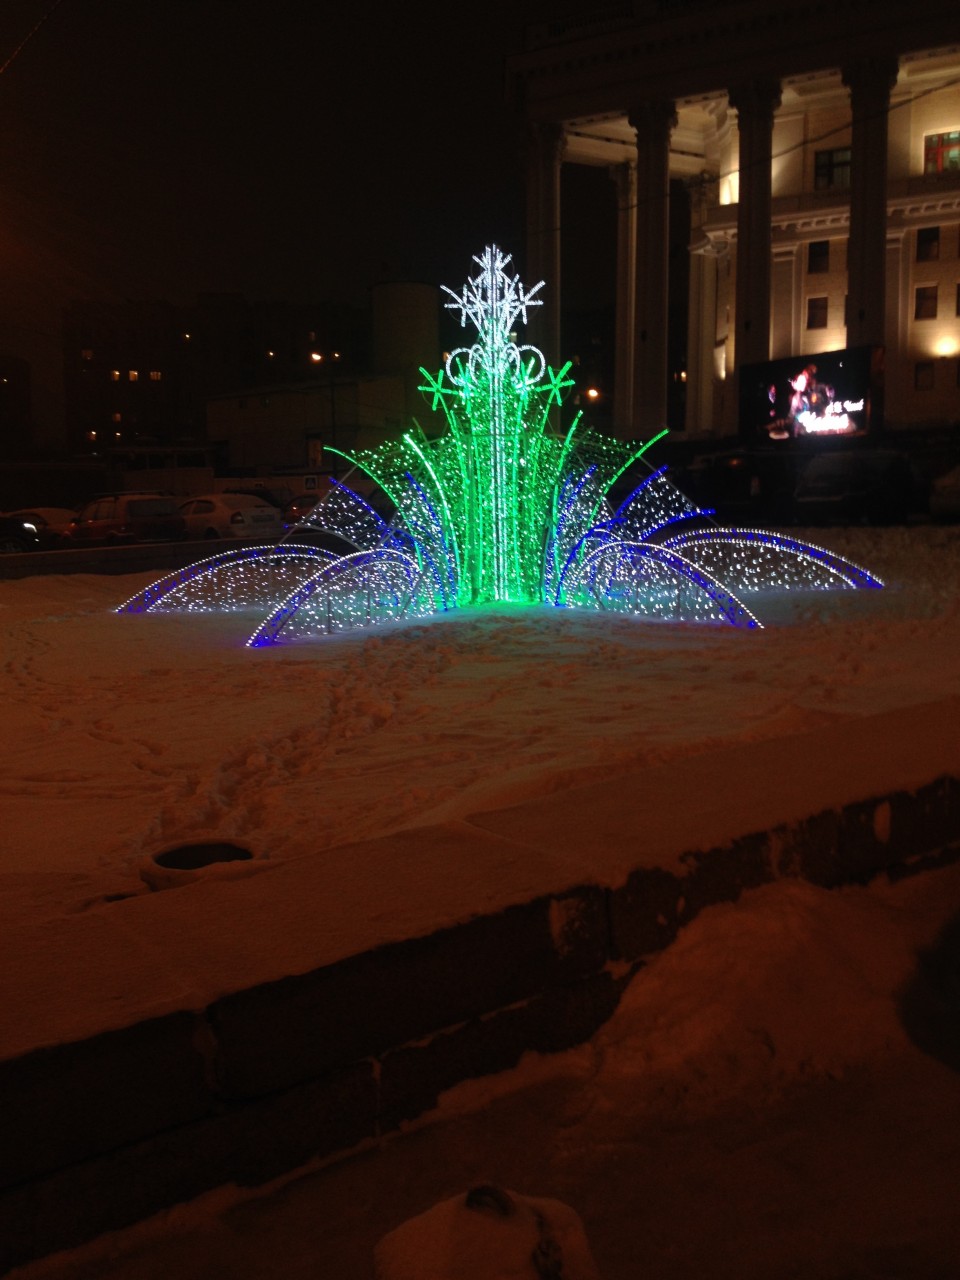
pixel 253 386
pixel 140 373
pixel 819 148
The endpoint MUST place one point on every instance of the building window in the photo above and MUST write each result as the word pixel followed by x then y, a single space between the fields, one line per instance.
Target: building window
pixel 941 152
pixel 133 375
pixel 155 375
pixel 832 169
pixel 923 375
pixel 816 313
pixel 86 354
pixel 114 375
pixel 925 302
pixel 928 244
pixel 818 257
pixel 116 417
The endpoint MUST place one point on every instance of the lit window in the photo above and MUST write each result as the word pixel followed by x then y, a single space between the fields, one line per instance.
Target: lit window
pixel 832 169
pixel 133 375
pixel 941 152
pixel 91 435
pixel 816 313
pixel 116 417
pixel 86 354
pixel 155 375
pixel 186 337
pixel 114 375
pixel 818 256
pixel 923 375
pixel 928 244
pixel 925 302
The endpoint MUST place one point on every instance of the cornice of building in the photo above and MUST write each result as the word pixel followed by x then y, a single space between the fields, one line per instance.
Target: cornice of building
pixel 641 51
pixel 912 203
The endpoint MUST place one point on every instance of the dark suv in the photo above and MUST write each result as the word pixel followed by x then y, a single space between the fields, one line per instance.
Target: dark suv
pixel 17 534
pixel 116 518
pixel 873 486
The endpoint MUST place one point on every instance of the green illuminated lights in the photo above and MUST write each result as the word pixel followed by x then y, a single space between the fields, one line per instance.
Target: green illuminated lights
pixel 502 507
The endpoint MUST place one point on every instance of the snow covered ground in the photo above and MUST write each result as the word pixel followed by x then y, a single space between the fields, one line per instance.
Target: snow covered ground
pixel 777 1095
pixel 135 733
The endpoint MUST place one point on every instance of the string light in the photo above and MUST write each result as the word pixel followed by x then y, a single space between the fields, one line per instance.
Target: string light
pixel 500 508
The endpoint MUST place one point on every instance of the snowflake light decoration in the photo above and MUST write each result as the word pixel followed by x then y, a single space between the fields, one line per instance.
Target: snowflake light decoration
pixel 500 508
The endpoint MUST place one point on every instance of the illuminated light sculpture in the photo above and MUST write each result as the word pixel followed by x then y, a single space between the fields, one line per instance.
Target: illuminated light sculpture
pixel 500 508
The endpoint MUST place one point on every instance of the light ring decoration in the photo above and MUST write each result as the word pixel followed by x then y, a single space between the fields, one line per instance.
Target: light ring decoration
pixel 237 579
pixel 500 506
pixel 643 578
pixel 755 554
pixel 365 588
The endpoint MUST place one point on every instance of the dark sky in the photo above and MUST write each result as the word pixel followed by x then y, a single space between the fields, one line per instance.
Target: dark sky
pixel 279 150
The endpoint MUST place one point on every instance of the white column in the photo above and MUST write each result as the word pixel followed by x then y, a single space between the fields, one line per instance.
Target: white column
pixel 544 156
pixel 625 180
pixel 870 82
pixel 755 103
pixel 701 340
pixel 653 121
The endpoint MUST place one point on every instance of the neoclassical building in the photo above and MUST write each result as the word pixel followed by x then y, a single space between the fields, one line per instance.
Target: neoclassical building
pixel 819 144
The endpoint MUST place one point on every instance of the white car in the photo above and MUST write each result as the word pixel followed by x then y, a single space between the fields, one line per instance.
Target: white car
pixel 231 515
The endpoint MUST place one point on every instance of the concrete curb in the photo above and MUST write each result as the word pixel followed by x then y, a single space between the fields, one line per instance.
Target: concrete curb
pixel 104 1131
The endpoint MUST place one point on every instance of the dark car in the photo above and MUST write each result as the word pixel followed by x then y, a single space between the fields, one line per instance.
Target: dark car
pixel 116 518
pixel 50 523
pixel 945 496
pixel 740 485
pixel 17 534
pixel 300 508
pixel 857 486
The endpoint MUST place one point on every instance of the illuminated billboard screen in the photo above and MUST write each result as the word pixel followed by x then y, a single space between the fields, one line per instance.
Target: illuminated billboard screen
pixel 816 397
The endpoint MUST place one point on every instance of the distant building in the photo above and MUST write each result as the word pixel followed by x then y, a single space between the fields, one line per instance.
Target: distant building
pixel 817 148
pixel 16 422
pixel 259 387
pixel 140 373
pixel 343 405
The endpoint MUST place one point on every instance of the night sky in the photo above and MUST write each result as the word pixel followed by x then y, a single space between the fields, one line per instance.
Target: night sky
pixel 282 151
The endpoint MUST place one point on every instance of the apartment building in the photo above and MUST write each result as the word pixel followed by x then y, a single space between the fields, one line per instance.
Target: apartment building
pixel 818 148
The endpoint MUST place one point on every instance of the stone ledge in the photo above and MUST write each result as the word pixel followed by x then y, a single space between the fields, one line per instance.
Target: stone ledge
pixel 264 1080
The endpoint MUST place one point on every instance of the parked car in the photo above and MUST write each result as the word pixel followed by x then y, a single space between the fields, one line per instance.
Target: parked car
pixel 944 499
pixel 740 485
pixel 278 497
pixel 873 486
pixel 51 523
pixel 300 508
pixel 117 518
pixel 231 515
pixel 17 534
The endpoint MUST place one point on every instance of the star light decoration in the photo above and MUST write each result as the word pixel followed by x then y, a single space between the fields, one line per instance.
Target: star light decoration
pixel 501 508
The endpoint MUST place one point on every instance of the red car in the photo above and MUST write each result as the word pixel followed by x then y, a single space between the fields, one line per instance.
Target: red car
pixel 126 517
